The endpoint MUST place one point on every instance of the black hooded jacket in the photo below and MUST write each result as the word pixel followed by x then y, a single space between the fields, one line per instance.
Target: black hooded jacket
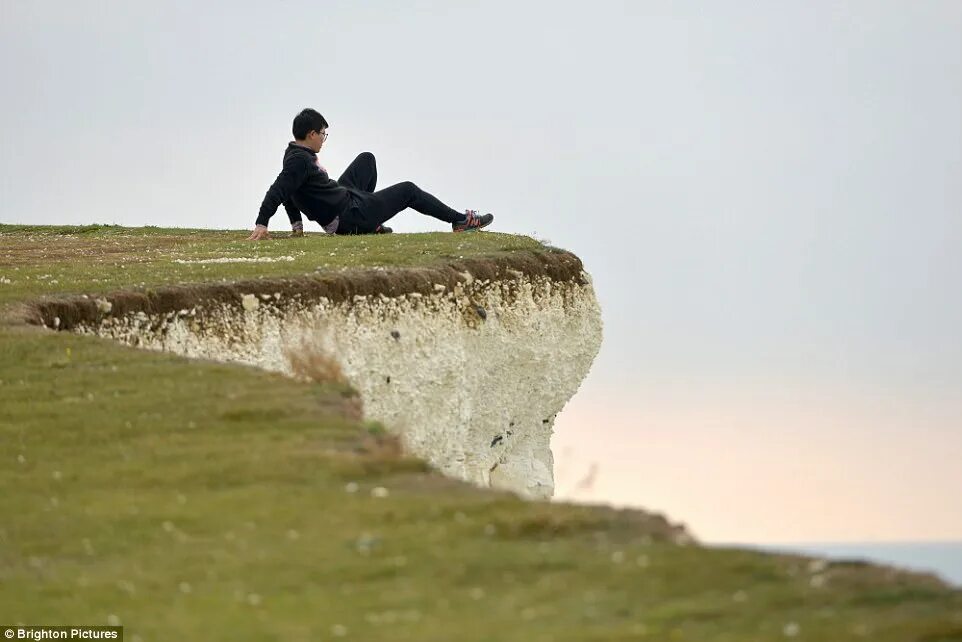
pixel 304 186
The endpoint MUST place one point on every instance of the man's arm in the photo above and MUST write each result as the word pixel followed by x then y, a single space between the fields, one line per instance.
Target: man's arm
pixel 294 214
pixel 291 177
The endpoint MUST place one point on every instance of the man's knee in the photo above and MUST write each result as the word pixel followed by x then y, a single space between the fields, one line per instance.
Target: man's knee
pixel 366 157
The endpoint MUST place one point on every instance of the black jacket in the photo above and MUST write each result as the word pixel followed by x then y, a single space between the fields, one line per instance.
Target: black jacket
pixel 303 186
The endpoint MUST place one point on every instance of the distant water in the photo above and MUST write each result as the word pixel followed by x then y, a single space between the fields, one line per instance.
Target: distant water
pixel 941 558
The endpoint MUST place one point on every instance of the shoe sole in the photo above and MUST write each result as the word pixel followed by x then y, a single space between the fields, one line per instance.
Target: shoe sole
pixel 475 229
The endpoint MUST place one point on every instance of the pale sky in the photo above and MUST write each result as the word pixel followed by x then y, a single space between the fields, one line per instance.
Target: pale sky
pixel 768 196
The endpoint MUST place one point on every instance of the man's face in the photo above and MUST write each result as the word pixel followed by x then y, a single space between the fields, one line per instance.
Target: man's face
pixel 315 139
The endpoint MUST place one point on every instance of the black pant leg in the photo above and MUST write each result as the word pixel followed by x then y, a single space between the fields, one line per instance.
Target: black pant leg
pixel 384 204
pixel 361 173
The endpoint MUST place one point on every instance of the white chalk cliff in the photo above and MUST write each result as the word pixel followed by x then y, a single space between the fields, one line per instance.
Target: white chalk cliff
pixel 469 372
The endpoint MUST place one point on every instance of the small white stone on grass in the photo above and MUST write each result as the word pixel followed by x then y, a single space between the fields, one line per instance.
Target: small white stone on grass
pixel 113 620
pixel 791 629
pixel 350 487
pixel 238 259
pixel 293 535
pixel 618 557
pixel 379 491
pixel 185 587
pixel 339 630
pixel 739 596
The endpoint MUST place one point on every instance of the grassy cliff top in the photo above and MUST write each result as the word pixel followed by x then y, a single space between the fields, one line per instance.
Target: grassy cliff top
pixel 40 260
pixel 201 501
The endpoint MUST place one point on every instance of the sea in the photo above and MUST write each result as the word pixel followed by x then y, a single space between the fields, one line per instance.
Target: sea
pixel 942 558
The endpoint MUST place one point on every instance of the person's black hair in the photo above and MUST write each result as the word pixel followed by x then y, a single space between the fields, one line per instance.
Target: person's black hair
pixel 309 120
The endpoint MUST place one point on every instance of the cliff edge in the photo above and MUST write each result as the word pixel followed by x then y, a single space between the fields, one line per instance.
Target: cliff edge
pixel 469 362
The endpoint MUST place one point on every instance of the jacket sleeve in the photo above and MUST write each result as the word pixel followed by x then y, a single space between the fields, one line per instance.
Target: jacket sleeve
pixel 291 177
pixel 293 213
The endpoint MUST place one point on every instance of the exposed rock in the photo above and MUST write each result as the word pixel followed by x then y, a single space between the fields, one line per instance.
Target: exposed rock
pixel 460 376
pixel 250 302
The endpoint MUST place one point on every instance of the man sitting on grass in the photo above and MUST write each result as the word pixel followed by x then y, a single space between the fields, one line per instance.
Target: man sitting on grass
pixel 348 205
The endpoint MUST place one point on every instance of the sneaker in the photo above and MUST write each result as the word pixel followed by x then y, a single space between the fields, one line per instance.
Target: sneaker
pixel 473 222
pixel 382 229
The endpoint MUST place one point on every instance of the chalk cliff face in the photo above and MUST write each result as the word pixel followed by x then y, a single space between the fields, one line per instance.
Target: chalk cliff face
pixel 469 369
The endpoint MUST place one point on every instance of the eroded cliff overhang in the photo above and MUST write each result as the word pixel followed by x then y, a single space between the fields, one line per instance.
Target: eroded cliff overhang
pixel 468 361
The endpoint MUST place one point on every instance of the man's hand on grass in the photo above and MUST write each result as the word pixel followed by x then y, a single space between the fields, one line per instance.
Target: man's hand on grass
pixel 259 234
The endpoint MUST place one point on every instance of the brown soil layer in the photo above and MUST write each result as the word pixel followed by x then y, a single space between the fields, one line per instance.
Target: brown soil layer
pixel 71 310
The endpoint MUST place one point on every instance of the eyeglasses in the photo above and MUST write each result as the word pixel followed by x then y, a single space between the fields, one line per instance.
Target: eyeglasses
pixel 323 135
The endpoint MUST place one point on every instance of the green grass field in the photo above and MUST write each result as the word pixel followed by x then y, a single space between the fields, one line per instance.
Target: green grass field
pixel 201 501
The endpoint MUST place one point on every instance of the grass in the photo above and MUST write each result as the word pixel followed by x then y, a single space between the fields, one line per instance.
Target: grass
pixel 40 260
pixel 201 501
